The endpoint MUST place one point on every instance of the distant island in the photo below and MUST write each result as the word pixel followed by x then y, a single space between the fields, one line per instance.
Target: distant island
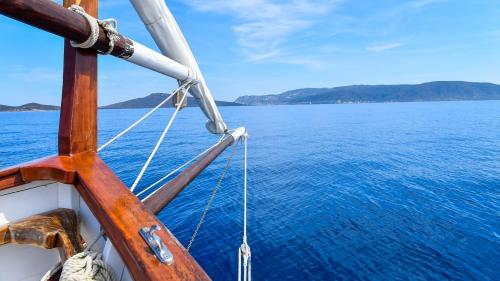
pixel 154 99
pixel 149 101
pixel 29 107
pixel 431 91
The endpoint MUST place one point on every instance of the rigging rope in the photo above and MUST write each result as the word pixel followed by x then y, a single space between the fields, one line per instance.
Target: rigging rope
pixel 176 170
pixel 211 199
pixel 244 254
pixel 160 140
pixel 184 87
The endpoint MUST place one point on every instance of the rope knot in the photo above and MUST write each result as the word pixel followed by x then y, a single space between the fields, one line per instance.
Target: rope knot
pixel 245 252
pixel 109 25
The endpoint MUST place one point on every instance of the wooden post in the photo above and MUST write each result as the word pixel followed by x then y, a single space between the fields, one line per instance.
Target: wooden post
pixel 78 119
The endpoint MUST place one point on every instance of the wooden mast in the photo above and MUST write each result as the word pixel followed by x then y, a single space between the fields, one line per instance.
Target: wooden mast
pixel 78 119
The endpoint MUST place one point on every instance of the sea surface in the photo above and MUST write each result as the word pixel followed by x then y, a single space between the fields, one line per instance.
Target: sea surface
pixel 395 191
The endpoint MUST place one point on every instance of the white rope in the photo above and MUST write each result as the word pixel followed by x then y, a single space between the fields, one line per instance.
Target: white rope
pixel 155 149
pixel 109 25
pixel 87 266
pixel 71 265
pixel 135 123
pixel 183 86
pixel 245 137
pixel 94 28
pixel 244 254
pixel 176 170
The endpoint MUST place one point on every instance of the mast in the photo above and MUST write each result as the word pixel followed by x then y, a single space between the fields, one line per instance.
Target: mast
pixel 78 116
pixel 168 36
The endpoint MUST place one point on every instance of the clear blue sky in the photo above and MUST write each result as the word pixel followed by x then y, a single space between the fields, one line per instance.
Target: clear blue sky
pixel 255 47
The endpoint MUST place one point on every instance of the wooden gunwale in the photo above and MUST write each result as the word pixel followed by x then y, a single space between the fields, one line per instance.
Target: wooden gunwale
pixel 119 212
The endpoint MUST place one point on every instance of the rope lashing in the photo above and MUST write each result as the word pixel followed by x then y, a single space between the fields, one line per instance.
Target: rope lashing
pixel 244 254
pixel 109 25
pixel 160 140
pixel 211 199
pixel 94 28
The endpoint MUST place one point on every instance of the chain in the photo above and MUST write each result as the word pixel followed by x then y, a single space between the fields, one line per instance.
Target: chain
pixel 214 192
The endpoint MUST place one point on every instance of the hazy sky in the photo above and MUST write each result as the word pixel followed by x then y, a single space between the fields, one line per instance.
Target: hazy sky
pixel 269 46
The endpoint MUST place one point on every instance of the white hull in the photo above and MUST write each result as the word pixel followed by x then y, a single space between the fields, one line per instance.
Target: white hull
pixel 28 263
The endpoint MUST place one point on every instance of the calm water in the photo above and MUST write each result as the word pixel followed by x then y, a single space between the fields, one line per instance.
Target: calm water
pixel 406 191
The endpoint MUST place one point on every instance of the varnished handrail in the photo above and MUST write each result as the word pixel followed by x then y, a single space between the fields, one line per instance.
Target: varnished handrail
pixel 118 211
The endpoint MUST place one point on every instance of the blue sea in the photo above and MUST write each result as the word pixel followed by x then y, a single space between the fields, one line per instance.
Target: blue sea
pixel 395 191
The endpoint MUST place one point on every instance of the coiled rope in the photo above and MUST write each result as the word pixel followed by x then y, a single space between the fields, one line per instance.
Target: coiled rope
pixel 87 266
pixel 84 266
pixel 109 25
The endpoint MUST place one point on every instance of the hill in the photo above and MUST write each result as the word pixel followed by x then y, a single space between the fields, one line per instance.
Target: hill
pixel 154 99
pixel 432 91
pixel 29 107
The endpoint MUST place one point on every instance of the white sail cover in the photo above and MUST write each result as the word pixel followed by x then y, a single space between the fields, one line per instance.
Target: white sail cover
pixel 168 37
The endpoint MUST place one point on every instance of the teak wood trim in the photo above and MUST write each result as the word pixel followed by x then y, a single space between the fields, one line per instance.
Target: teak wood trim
pixel 10 177
pixel 118 211
pixel 78 117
